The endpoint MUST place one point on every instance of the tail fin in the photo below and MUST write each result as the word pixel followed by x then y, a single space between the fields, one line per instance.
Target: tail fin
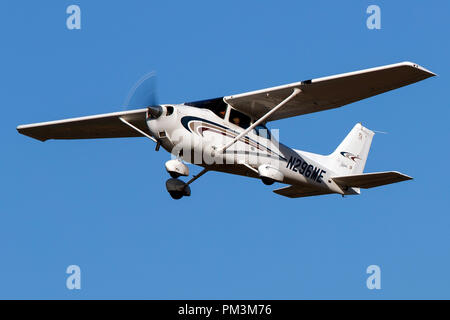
pixel 351 155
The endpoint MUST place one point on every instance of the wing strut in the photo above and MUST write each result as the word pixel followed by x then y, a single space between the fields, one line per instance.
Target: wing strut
pixel 260 120
pixel 139 130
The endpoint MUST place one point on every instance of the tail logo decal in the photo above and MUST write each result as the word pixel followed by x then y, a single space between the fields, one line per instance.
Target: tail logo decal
pixel 349 155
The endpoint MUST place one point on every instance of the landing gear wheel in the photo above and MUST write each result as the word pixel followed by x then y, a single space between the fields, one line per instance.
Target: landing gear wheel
pixel 176 195
pixel 267 181
pixel 177 188
pixel 174 175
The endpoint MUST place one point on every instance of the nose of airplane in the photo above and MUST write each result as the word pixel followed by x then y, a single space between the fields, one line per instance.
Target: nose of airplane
pixel 154 112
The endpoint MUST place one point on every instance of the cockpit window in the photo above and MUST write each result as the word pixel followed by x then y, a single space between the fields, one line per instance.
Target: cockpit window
pixel 239 119
pixel 218 106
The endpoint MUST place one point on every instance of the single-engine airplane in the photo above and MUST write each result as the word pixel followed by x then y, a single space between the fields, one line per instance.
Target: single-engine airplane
pixel 229 134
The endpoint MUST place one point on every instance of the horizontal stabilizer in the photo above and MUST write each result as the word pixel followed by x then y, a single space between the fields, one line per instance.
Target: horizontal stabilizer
pixel 300 192
pixel 370 180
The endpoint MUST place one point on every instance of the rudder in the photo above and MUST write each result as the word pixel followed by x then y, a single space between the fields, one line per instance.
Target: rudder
pixel 351 155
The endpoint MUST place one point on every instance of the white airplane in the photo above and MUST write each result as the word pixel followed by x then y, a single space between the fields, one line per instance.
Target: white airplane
pixel 229 134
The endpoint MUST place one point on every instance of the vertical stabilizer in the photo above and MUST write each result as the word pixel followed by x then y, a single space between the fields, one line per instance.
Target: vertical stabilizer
pixel 351 155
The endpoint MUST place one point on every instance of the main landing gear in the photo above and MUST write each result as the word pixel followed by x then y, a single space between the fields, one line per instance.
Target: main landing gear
pixel 176 187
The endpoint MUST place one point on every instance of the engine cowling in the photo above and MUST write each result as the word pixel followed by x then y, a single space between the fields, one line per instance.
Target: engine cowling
pixel 176 168
pixel 269 174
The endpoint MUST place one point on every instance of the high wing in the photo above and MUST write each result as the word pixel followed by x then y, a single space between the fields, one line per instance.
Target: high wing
pixel 371 180
pixel 300 192
pixel 328 92
pixel 106 125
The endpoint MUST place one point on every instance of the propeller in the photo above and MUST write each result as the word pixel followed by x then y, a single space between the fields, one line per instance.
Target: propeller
pixel 143 94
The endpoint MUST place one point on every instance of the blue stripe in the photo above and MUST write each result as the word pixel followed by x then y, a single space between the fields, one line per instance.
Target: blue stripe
pixel 185 122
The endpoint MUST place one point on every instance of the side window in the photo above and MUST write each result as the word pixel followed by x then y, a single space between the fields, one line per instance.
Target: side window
pixel 220 110
pixel 239 119
pixel 262 131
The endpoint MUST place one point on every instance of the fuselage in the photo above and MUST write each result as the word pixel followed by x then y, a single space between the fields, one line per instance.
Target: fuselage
pixel 195 134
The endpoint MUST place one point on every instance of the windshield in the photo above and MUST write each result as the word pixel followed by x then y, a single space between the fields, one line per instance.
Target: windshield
pixel 218 106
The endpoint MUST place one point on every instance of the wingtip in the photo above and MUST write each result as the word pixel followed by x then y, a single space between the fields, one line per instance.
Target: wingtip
pixel 406 177
pixel 20 129
pixel 417 66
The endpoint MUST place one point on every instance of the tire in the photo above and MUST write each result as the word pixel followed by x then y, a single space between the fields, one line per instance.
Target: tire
pixel 174 175
pixel 176 195
pixel 267 181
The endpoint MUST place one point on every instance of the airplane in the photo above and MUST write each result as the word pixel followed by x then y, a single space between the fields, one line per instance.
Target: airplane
pixel 229 134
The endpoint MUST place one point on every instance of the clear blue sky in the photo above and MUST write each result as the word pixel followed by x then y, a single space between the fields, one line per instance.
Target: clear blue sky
pixel 102 204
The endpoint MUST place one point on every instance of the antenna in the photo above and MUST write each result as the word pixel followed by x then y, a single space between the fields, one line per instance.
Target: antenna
pixel 383 132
